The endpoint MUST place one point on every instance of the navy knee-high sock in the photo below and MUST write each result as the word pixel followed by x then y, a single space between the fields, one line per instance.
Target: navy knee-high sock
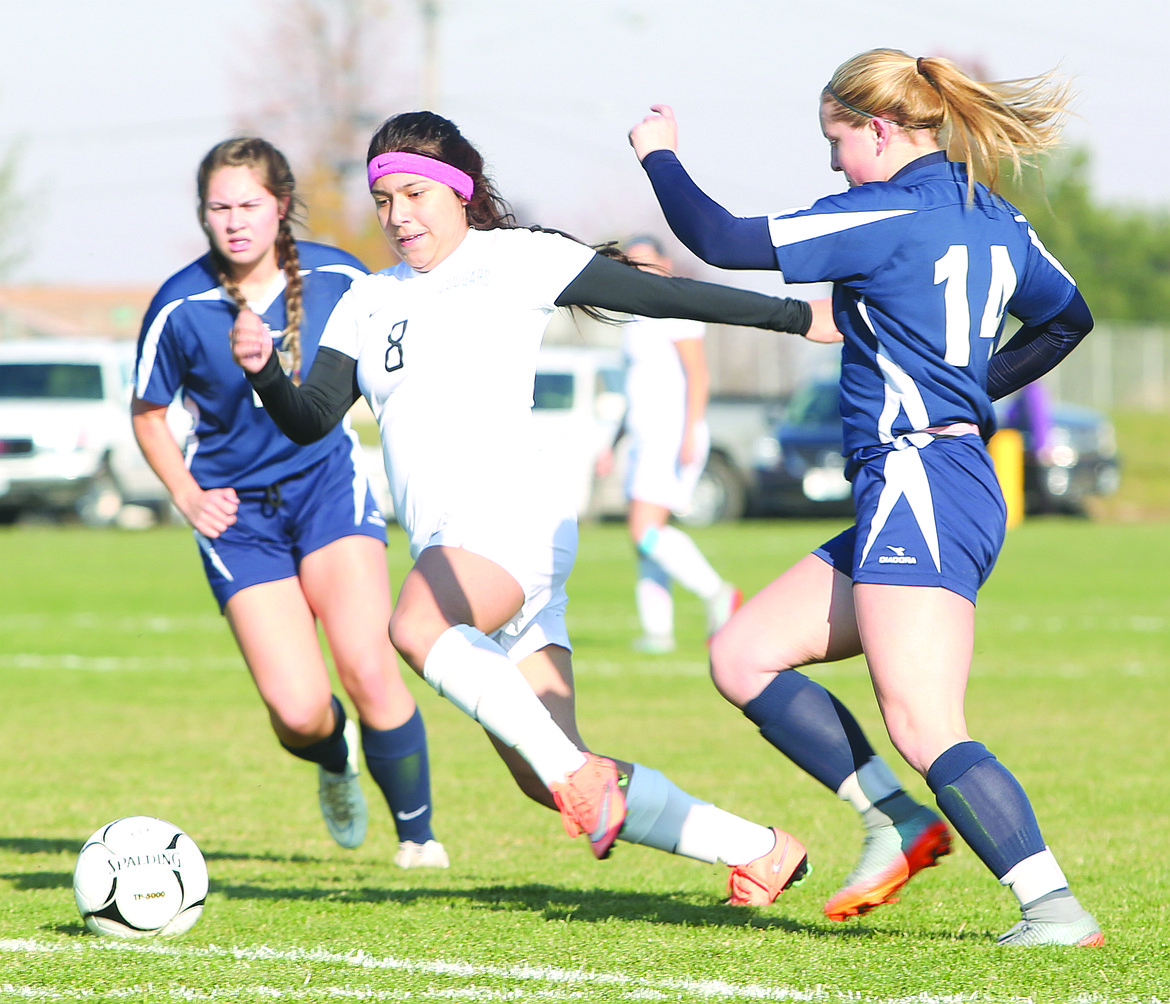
pixel 987 806
pixel 397 761
pixel 332 752
pixel 810 726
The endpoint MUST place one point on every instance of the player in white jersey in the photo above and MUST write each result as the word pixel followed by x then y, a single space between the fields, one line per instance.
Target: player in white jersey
pixel 444 347
pixel 926 263
pixel 666 389
pixel 289 535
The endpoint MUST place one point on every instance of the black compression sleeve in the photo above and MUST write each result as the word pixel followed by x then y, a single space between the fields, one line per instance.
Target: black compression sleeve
pixel 310 411
pixel 611 285
pixel 703 225
pixel 1032 352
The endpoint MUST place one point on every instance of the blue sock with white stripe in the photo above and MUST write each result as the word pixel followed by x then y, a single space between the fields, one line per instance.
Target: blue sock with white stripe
pixel 397 761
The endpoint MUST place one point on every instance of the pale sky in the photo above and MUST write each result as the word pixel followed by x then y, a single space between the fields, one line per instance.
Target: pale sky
pixel 112 103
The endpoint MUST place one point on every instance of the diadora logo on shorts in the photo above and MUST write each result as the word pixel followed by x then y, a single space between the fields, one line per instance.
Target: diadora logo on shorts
pixel 899 557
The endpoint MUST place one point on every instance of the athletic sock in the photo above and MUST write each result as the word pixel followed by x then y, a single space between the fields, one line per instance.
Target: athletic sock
pixel 660 814
pixel 1057 907
pixel 1037 880
pixel 681 559
pixel 811 727
pixel 332 752
pixel 653 600
pixel 989 809
pixel 876 793
pixel 397 761
pixel 476 675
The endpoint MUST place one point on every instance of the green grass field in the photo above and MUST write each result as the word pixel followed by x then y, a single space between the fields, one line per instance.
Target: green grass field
pixel 123 694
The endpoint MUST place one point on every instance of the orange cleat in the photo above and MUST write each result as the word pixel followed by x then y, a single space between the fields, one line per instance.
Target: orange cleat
pixel 759 882
pixel 892 855
pixel 592 800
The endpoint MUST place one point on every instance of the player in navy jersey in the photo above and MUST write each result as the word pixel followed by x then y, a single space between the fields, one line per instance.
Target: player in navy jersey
pixel 290 535
pixel 926 263
pixel 444 347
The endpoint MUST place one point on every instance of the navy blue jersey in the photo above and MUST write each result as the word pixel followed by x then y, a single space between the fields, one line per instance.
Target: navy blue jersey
pixel 923 281
pixel 184 347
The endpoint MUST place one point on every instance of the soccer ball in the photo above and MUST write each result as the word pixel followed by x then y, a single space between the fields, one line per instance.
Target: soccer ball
pixel 140 877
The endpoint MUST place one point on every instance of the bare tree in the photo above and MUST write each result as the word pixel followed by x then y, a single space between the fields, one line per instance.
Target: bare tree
pixel 14 245
pixel 332 70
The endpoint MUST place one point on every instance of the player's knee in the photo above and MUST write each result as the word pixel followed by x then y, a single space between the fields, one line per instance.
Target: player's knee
pixel 730 673
pixel 299 722
pixel 412 638
pixel 367 677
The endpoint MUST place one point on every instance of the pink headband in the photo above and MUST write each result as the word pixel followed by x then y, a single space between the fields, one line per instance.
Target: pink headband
pixel 428 167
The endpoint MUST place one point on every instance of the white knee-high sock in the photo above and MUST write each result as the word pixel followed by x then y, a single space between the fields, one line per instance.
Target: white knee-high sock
pixel 660 814
pixel 476 675
pixel 653 600
pixel 682 560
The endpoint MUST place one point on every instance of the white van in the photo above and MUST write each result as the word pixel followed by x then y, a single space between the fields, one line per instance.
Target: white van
pixel 66 444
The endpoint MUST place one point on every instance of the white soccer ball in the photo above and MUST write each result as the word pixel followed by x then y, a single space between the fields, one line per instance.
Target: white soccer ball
pixel 140 877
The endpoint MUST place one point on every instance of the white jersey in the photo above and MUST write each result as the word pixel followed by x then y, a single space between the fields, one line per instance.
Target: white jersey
pixel 656 383
pixel 656 411
pixel 447 361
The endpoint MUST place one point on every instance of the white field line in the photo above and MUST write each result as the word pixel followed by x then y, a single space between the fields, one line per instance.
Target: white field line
pixel 113 663
pixel 564 984
pixel 124 624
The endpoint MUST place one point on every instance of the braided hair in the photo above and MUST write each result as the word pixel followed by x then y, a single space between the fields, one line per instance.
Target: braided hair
pixel 272 170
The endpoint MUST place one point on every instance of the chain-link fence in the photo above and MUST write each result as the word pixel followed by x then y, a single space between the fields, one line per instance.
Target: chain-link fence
pixel 1117 367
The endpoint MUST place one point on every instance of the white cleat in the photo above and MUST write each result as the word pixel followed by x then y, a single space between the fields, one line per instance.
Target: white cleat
pixel 1083 933
pixel 343 806
pixel 429 855
pixel 721 607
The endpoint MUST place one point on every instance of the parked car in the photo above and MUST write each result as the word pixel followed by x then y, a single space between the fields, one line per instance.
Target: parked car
pixel 800 469
pixel 1081 460
pixel 577 408
pixel 66 444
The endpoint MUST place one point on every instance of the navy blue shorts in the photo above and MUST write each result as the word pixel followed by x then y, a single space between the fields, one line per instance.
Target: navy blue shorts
pixel 926 516
pixel 277 526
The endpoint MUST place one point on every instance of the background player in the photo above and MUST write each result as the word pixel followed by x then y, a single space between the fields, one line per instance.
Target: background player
pixel 444 347
pixel 926 263
pixel 289 535
pixel 667 386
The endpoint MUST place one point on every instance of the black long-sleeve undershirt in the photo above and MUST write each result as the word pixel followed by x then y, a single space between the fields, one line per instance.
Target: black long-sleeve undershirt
pixel 1032 352
pixel 308 412
pixel 612 285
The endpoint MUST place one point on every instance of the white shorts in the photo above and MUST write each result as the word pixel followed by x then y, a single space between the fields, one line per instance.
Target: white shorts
pixel 655 475
pixel 538 552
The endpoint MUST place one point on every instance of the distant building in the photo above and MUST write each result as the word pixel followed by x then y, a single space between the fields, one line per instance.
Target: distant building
pixel 71 311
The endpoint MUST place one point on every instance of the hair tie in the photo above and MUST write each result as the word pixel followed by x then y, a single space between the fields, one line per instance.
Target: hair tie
pixel 925 73
pixel 398 162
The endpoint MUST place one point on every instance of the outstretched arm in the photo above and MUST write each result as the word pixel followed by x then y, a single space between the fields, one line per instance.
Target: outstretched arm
pixel 704 226
pixel 305 413
pixel 611 285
